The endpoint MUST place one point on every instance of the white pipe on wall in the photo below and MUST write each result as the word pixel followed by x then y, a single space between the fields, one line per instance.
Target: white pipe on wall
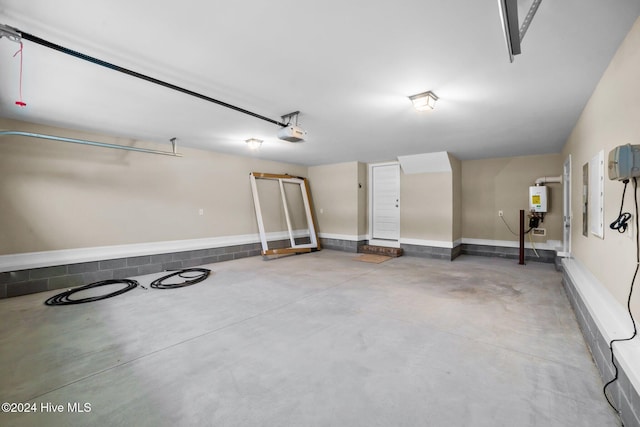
pixel 549 180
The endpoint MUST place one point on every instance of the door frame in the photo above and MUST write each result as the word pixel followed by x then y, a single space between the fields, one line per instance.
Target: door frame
pixel 566 208
pixel 372 241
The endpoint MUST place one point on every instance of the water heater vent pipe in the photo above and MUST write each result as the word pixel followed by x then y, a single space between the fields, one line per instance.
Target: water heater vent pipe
pixel 549 180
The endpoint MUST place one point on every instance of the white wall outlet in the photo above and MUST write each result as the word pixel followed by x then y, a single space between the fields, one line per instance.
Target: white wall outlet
pixel 201 211
pixel 321 211
pixel 630 233
pixel 500 213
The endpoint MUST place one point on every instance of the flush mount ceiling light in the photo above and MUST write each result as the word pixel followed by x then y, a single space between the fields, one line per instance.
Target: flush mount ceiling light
pixel 254 143
pixel 424 101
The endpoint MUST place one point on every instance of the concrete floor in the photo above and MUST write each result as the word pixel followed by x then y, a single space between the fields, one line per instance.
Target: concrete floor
pixel 310 340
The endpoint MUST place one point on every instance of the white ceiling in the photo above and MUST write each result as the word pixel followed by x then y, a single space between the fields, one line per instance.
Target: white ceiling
pixel 348 66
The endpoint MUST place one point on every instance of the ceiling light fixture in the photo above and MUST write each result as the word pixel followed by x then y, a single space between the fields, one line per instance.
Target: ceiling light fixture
pixel 254 143
pixel 424 101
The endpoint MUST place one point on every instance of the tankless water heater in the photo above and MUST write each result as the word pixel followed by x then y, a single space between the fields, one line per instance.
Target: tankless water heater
pixel 538 195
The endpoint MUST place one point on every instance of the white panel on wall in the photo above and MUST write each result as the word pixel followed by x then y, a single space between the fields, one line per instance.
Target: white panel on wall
pixel 596 195
pixel 425 163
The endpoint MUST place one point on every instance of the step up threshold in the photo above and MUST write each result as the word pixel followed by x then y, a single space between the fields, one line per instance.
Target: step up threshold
pixel 381 250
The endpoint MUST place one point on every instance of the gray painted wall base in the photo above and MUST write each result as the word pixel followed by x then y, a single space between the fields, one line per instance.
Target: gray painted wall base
pixel 432 251
pixel 410 250
pixel 22 282
pixel 622 392
pixel 342 245
pixel 34 280
pixel 546 255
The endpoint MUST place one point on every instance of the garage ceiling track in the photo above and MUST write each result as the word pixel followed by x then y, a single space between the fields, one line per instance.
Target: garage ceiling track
pixel 17 35
pixel 349 66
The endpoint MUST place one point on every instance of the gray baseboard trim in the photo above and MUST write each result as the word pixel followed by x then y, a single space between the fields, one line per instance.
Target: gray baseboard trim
pixel 558 263
pixel 623 392
pixel 431 251
pixel 546 255
pixel 342 245
pixel 23 282
pixel 456 252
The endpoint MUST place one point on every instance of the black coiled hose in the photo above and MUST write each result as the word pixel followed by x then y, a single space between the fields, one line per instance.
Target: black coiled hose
pixel 621 223
pixel 64 298
pixel 191 280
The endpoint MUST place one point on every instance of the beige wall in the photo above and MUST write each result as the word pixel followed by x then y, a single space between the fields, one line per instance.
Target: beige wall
pixel 456 183
pixel 342 205
pixel 609 119
pixel 426 206
pixel 490 185
pixel 363 192
pixel 57 195
pixel 337 197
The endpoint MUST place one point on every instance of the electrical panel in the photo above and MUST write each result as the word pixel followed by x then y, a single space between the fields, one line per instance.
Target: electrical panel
pixel 624 162
pixel 538 196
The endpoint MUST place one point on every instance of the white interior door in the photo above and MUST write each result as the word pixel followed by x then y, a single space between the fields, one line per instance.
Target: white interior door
pixel 385 204
pixel 566 218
